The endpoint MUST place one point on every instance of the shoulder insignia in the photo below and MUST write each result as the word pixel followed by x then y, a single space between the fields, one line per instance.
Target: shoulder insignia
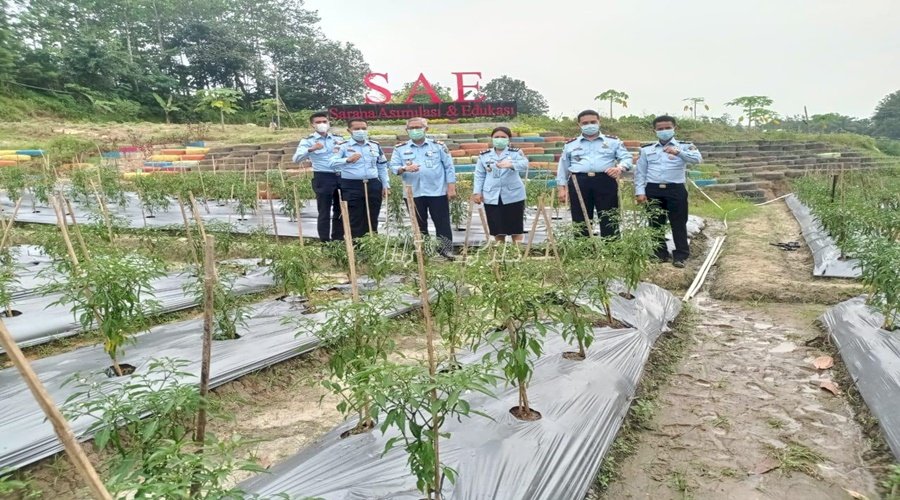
pixel 692 148
pixel 514 149
pixel 572 139
pixel 647 145
pixel 374 142
pixel 611 137
pixel 399 145
pixel 486 151
pixel 439 142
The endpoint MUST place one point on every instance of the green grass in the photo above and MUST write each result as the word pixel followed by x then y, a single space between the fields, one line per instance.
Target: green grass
pixel 775 423
pixel 891 483
pixel 796 457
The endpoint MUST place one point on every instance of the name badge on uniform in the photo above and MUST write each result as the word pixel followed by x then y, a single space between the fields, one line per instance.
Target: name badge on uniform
pixel 605 146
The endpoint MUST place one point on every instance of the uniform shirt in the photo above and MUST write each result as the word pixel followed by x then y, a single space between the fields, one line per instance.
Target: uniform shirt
pixel 435 167
pixel 494 183
pixel 320 158
pixel 581 155
pixel 371 165
pixel 656 166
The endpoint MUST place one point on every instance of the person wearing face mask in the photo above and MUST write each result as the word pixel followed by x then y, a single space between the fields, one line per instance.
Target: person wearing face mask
pixel 596 161
pixel 498 185
pixel 318 147
pixel 659 180
pixel 426 165
pixel 364 179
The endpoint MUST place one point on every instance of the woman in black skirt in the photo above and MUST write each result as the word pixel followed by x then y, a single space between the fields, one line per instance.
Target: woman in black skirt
pixel 499 186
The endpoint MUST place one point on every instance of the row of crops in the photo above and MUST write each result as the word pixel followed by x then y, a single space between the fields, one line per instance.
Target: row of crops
pixel 496 300
pixel 861 211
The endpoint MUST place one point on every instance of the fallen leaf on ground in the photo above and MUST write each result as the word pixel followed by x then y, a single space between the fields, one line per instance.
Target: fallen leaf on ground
pixel 823 362
pixel 830 387
pixel 856 494
pixel 768 464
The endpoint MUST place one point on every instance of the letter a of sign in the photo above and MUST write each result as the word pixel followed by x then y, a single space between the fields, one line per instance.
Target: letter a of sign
pixel 426 89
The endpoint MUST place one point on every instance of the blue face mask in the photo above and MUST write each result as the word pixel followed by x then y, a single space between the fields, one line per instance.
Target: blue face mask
pixel 665 134
pixel 359 135
pixel 416 134
pixel 590 129
pixel 500 142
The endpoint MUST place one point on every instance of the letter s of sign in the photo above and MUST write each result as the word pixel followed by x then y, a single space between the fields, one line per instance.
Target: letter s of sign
pixel 385 93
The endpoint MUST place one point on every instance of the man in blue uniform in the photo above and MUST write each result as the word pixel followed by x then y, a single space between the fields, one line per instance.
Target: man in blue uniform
pixel 426 165
pixel 364 179
pixel 660 180
pixel 318 148
pixel 596 161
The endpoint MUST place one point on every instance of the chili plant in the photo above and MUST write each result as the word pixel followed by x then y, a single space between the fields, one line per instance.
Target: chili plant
pixel 357 335
pixel 635 246
pixel 7 280
pixel 515 294
pixel 415 404
pixel 112 292
pixel 148 425
pixel 13 180
pixel 230 309
pixel 456 310
pixel 293 267
pixel 879 261
pixel 154 194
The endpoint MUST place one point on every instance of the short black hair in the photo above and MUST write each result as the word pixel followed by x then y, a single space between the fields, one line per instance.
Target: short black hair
pixel 664 118
pixel 318 114
pixel 351 121
pixel 505 130
pixel 586 113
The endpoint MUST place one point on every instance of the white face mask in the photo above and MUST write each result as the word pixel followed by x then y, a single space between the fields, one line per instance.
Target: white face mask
pixel 322 127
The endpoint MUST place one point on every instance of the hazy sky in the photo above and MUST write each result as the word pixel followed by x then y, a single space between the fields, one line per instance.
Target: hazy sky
pixel 830 55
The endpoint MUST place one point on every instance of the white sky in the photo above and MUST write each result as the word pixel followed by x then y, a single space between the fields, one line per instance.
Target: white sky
pixel 830 55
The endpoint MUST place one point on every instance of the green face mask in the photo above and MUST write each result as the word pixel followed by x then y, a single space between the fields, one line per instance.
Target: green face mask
pixel 416 134
pixel 500 142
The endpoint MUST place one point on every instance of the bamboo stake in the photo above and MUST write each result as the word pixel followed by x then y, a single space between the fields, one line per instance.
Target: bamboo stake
pixel 84 249
pixel 351 256
pixel 366 195
pixel 584 212
pixel 8 227
pixel 297 215
pixel 60 425
pixel 429 334
pixel 534 225
pixel 465 251
pixel 199 220
pixel 141 203
pixel 272 210
pixel 550 237
pixel 187 230
pixel 103 211
pixel 203 188
pixel 209 283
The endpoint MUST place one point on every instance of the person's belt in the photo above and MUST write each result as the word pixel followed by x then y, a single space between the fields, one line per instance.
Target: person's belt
pixel 665 184
pixel 338 173
pixel 589 174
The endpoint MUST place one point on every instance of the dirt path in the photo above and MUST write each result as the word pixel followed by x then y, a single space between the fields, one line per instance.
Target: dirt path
pixel 743 415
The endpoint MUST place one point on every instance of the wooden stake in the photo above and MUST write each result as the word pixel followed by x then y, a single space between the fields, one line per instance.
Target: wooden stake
pixel 534 225
pixel 550 237
pixel 209 283
pixel 61 222
pixel 272 210
pixel 351 256
pixel 297 215
pixel 429 334
pixel 465 251
pixel 7 228
pixel 60 425
pixel 103 211
pixel 187 230
pixel 199 220
pixel 584 212
pixel 366 195
pixel 84 249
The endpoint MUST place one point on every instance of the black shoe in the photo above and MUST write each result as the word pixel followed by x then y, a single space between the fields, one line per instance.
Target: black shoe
pixel 678 263
pixel 659 260
pixel 448 255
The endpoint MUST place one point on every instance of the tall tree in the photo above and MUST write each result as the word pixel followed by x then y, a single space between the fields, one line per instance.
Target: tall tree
pixel 9 47
pixel 886 120
pixel 316 73
pixel 755 110
pixel 529 101
pixel 614 97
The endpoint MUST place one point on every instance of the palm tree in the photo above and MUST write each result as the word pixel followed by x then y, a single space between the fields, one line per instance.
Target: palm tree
pixel 613 96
